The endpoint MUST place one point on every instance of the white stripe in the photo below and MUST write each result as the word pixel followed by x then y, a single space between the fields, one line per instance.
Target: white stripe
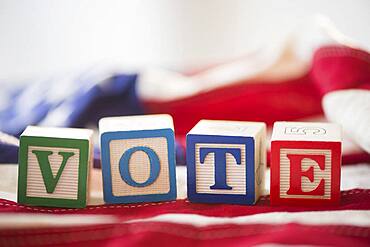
pixel 342 217
pixel 16 220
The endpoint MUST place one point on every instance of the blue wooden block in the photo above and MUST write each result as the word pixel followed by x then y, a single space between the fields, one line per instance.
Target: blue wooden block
pixel 138 159
pixel 226 161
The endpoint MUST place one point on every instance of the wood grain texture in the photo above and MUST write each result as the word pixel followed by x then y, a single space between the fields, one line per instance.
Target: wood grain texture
pixel 307 185
pixel 139 166
pixel 67 186
pixel 235 173
pixel 260 163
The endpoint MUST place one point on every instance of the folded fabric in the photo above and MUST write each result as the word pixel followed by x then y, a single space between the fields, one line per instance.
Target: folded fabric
pixel 72 100
pixel 282 82
pixel 81 102
pixel 351 108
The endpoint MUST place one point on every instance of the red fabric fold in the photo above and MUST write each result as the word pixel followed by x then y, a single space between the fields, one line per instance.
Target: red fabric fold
pixel 353 199
pixel 332 68
pixel 340 67
pixel 168 234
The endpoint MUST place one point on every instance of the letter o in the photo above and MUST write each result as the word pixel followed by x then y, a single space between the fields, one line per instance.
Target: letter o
pixel 125 171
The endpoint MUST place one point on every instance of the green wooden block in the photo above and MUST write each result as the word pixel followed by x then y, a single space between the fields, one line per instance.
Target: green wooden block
pixel 54 166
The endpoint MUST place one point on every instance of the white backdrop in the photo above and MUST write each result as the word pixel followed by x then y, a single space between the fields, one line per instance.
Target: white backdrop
pixel 38 37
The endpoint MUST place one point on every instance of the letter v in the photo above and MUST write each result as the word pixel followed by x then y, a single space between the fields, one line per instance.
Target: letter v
pixel 43 158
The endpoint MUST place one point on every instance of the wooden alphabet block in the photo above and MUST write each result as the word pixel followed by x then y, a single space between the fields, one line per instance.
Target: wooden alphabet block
pixel 226 161
pixel 54 165
pixel 305 163
pixel 138 158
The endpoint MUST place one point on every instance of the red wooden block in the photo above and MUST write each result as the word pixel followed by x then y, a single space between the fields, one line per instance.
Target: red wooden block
pixel 305 163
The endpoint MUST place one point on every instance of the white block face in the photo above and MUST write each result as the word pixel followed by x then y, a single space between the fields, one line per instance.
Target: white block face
pixel 235 173
pixel 304 131
pixel 227 128
pixel 140 122
pixel 56 132
pixel 307 185
pixel 139 166
pixel 67 186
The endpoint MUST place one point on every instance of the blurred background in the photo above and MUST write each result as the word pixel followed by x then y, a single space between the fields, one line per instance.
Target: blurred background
pixel 69 63
pixel 45 37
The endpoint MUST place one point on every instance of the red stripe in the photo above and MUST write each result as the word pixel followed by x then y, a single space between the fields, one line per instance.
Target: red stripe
pixel 355 158
pixel 358 199
pixel 340 67
pixel 169 234
pixel 253 101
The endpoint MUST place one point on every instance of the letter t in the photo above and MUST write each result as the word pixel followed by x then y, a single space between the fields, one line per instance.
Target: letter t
pixel 220 164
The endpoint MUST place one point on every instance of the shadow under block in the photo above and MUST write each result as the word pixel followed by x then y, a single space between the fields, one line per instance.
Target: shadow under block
pixel 54 166
pixel 226 161
pixel 305 163
pixel 138 158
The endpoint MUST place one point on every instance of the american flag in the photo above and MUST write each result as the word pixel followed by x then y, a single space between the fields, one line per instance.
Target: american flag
pixel 249 88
